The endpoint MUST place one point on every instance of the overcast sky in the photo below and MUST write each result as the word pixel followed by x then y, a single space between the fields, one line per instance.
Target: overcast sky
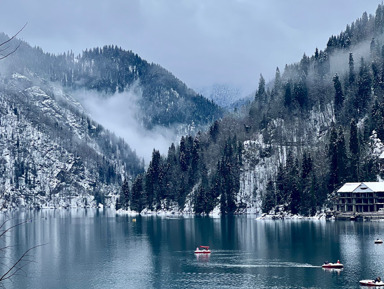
pixel 202 42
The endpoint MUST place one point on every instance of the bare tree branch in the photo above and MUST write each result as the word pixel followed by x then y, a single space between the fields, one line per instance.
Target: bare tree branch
pixel 18 266
pixel 10 228
pixel 9 40
pixel 22 261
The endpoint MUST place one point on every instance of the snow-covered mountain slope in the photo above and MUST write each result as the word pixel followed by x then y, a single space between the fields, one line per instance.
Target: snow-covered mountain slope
pixel 51 153
pixel 261 159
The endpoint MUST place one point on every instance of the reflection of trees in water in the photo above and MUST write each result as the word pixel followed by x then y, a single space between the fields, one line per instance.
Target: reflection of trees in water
pixel 12 266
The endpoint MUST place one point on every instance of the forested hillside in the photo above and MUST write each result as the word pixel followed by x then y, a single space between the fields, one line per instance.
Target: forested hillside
pixel 316 126
pixel 163 99
pixel 51 153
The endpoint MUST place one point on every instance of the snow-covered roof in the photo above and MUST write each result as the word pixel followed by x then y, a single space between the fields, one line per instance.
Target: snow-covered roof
pixel 348 187
pixel 358 187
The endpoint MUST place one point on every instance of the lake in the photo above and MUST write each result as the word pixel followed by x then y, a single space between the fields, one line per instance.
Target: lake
pixel 98 249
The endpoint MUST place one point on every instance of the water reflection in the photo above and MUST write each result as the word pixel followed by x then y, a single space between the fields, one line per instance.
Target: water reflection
pixel 202 257
pixel 333 270
pixel 98 249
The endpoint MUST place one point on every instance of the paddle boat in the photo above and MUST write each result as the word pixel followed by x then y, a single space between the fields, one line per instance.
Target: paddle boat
pixel 336 265
pixel 203 250
pixel 378 241
pixel 371 283
pixel 333 270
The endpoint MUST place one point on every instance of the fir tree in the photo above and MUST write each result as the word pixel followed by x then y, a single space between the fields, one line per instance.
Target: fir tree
pixel 287 95
pixel 354 150
pixel 351 64
pixel 269 199
pixel 152 181
pixel 300 92
pixel 138 195
pixel 363 96
pixel 342 159
pixel 339 96
pixel 260 93
pixel 125 195
pixel 277 85
pixel 333 160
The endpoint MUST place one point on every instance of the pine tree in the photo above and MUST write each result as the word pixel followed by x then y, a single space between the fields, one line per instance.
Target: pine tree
pixel 138 195
pixel 295 195
pixel 260 93
pixel 339 96
pixel 195 160
pixel 184 161
pixel 171 177
pixel 363 96
pixel 287 95
pixel 282 194
pixel 152 181
pixel 307 166
pixel 125 195
pixel 277 85
pixel 300 92
pixel 203 200
pixel 214 131
pixel 269 199
pixel 305 64
pixel 355 151
pixel 377 119
pixel 305 185
pixel 351 64
pixel 342 159
pixel 182 192
pixel 333 160
pixel 229 172
pixel 314 195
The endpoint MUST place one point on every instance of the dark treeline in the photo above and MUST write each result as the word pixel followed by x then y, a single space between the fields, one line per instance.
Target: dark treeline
pixel 316 120
pixel 169 180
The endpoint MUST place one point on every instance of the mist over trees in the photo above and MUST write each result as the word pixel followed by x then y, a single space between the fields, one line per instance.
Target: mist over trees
pixel 301 137
pixel 51 153
pixel 164 99
pixel 314 125
pixel 38 89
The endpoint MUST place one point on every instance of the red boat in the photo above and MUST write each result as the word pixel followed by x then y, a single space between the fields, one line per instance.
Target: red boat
pixel 336 265
pixel 203 250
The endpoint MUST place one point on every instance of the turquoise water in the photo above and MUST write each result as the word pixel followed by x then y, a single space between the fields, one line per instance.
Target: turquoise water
pixel 97 249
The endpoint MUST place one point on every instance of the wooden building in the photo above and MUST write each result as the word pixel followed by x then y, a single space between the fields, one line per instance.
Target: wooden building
pixel 360 197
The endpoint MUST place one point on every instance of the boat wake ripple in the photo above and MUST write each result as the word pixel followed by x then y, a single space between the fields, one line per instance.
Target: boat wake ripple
pixel 268 265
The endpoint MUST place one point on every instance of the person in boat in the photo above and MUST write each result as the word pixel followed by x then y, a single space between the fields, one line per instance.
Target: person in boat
pixel 338 261
pixel 377 280
pixel 326 262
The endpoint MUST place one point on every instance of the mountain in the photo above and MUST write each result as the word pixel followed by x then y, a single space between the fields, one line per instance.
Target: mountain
pixel 224 95
pixel 318 125
pixel 162 99
pixel 51 153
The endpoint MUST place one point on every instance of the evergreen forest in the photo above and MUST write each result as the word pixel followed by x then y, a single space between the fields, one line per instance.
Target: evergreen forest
pixel 313 128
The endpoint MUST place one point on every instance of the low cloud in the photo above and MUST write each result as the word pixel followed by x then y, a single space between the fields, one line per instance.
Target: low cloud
pixel 118 114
